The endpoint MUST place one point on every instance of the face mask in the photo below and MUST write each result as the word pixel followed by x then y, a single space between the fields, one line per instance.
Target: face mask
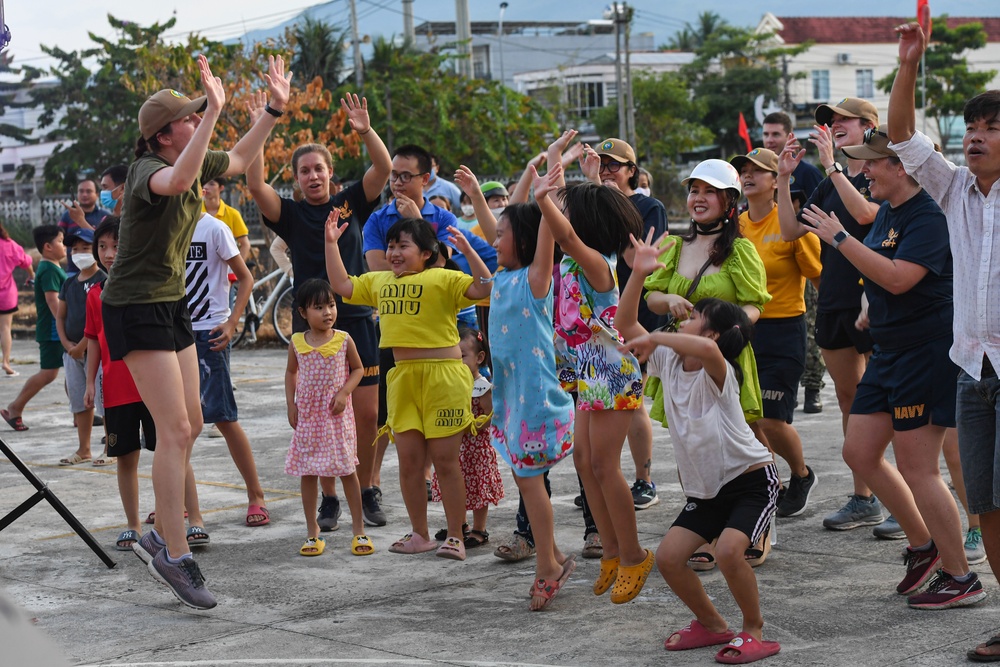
pixel 643 191
pixel 468 211
pixel 83 260
pixel 497 211
pixel 107 201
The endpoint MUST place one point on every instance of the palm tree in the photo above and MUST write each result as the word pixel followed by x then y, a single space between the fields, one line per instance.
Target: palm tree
pixel 319 51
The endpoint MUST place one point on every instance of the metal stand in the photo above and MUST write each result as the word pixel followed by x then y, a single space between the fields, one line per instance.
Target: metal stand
pixel 44 493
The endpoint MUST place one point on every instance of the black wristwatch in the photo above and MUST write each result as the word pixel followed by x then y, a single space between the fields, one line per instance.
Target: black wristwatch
pixel 834 168
pixel 274 112
pixel 839 238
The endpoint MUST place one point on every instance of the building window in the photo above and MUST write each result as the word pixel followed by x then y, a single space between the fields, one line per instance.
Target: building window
pixel 8 168
pixel 821 84
pixel 866 83
pixel 584 97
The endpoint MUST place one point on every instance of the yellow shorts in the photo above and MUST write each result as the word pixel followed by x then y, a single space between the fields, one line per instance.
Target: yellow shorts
pixel 433 396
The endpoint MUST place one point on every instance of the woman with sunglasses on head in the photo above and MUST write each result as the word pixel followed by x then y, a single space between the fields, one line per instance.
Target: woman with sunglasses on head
pixel 613 164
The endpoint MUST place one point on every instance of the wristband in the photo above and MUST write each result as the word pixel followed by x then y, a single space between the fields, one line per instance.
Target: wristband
pixel 274 112
pixel 361 134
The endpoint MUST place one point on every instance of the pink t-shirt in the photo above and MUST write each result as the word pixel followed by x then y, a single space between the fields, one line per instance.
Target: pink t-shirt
pixel 12 255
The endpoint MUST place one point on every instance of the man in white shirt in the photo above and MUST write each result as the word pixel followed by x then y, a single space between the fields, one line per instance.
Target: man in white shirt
pixel 970 197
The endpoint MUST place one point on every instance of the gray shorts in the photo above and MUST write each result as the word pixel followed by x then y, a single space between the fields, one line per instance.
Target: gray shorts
pixel 76 384
pixel 978 417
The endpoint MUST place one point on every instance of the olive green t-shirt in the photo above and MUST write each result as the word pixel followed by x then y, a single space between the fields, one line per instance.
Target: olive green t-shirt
pixel 155 234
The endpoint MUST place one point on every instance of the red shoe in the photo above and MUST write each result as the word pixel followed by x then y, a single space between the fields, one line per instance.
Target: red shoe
pixel 747 649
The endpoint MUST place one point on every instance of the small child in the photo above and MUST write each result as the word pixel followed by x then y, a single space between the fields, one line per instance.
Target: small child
pixel 476 457
pixel 48 280
pixel 325 443
pixel 71 316
pixel 729 476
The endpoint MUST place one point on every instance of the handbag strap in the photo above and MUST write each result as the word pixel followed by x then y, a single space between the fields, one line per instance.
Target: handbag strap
pixel 697 278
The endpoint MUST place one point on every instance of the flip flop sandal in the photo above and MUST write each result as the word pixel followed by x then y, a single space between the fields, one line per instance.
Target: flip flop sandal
pixel 985 657
pixel 130 536
pixel 14 422
pixel 442 534
pixel 452 549
pixel 515 549
pixel 631 579
pixel 608 575
pixel 314 546
pixel 362 546
pixel 102 461
pixel 696 635
pixel 569 566
pixel 255 511
pixel 747 648
pixel 76 459
pixel 152 517
pixel 411 543
pixel 592 546
pixel 197 537
pixel 476 538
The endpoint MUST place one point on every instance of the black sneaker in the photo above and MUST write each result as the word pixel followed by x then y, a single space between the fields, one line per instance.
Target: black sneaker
pixel 329 513
pixel 578 501
pixel 797 494
pixel 920 565
pixel 813 403
pixel 378 494
pixel 945 592
pixel 373 514
pixel 184 579
pixel 644 494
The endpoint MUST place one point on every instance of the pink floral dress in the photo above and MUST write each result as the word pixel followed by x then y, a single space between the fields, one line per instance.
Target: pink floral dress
pixel 323 444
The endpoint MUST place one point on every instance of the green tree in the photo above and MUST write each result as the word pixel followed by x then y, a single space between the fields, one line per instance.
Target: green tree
pixel 731 68
pixel 950 82
pixel 319 51
pixel 690 38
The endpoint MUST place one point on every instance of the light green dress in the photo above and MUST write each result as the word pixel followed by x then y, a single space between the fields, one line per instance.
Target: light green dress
pixel 741 280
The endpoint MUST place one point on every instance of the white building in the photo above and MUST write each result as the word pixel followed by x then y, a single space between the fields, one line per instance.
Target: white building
pixel 15 155
pixel 850 54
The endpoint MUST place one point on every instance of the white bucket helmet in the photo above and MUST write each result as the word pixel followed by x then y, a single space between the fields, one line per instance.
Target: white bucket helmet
pixel 717 173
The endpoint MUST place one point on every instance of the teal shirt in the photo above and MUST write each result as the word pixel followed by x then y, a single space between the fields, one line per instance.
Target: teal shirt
pixel 48 278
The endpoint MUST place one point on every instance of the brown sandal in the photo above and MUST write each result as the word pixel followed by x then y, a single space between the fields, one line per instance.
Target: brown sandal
pixel 631 579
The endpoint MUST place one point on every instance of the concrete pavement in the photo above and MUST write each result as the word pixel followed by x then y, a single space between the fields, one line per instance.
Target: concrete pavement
pixel 827 597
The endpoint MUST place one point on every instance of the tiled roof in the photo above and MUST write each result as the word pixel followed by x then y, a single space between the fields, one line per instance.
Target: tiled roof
pixel 863 29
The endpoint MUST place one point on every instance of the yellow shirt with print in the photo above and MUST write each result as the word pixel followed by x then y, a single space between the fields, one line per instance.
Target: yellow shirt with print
pixel 787 265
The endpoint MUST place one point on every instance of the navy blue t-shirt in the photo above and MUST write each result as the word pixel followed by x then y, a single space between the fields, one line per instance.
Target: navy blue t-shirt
pixel 840 283
pixel 915 231
pixel 303 227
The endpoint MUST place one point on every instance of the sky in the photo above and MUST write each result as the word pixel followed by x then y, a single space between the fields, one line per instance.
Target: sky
pixel 65 23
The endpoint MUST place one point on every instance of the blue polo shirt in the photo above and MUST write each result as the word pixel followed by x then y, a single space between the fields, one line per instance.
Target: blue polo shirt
pixel 381 220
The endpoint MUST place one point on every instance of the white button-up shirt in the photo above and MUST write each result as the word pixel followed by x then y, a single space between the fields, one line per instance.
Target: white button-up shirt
pixel 974 228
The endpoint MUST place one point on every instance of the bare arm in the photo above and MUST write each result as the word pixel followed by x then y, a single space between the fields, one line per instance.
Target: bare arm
pixel 480 287
pixel 243 243
pixel 377 175
pixel 523 188
pixel 58 308
pixel 791 156
pixel 291 375
pixel 336 272
pixel 902 105
pixel 467 180
pixel 250 145
pixel 339 402
pixel 244 289
pixel 700 347
pixel 377 261
pixel 93 363
pixel 645 261
pixel 862 210
pixel 263 194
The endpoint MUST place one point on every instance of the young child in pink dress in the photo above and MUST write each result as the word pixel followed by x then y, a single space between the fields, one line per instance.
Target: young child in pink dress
pixel 324 367
pixel 477 458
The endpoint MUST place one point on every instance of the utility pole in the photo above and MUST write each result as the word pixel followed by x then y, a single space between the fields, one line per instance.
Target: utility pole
pixel 629 104
pixel 463 35
pixel 408 33
pixel 359 64
pixel 619 79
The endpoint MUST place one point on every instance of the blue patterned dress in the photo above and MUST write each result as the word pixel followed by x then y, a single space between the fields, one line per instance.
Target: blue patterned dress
pixel 532 425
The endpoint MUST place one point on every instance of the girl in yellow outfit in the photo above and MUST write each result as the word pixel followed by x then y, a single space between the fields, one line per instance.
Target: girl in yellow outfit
pixel 428 390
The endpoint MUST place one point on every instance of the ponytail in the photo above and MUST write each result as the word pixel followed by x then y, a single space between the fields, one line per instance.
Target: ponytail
pixel 733 326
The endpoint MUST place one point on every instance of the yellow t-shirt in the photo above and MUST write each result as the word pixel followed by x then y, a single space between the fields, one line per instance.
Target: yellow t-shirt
pixel 232 218
pixel 419 310
pixel 788 265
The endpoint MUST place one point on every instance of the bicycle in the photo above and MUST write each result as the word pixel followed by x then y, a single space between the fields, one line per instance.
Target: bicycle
pixel 279 302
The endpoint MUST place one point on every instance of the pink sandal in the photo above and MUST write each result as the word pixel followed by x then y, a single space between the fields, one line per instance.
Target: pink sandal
pixel 411 543
pixel 452 549
pixel 747 650
pixel 696 635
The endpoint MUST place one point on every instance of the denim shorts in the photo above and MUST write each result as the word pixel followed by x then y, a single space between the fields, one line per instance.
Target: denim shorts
pixel 218 403
pixel 978 412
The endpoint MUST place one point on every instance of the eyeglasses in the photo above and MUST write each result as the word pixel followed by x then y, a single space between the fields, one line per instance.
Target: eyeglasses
pixel 873 132
pixel 403 177
pixel 613 166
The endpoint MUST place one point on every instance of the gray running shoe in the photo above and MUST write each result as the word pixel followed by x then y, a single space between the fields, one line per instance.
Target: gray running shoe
pixel 643 494
pixel 378 494
pixel 329 514
pixel 147 547
pixel 184 579
pixel 889 530
pixel 859 511
pixel 975 553
pixel 373 514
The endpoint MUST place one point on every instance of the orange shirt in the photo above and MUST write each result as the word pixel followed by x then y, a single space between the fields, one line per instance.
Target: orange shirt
pixel 787 265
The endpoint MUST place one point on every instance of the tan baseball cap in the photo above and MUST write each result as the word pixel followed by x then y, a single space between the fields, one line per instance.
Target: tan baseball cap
pixel 617 149
pixel 876 145
pixel 852 107
pixel 165 107
pixel 762 157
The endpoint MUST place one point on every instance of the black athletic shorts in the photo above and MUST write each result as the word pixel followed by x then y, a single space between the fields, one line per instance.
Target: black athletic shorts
pixel 779 345
pixel 147 326
pixel 123 425
pixel 744 504
pixel 835 330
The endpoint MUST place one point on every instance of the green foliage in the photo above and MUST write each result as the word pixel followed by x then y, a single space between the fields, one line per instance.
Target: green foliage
pixel 319 51
pixel 690 38
pixel 950 83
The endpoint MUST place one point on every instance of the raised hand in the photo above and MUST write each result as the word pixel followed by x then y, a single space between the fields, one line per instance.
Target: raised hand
pixel 333 230
pixel 572 154
pixel 458 240
pixel 466 180
pixel 537 161
pixel 562 141
pixel 647 252
pixel 212 85
pixel 76 213
pixel 790 156
pixel 822 224
pixel 548 183
pixel 357 113
pixel 912 43
pixel 278 82
pixel 822 139
pixel 255 105
pixel 641 346
pixel 590 164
